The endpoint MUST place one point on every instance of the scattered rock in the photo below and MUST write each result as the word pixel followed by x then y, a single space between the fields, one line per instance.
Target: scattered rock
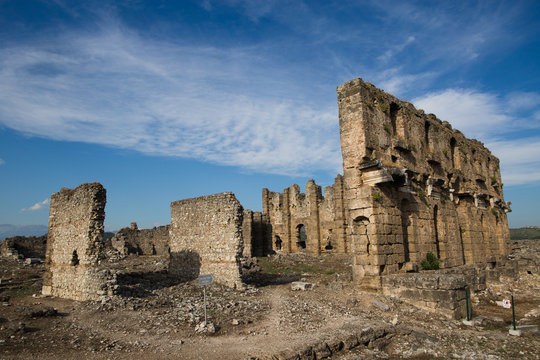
pixel 381 305
pixel 300 285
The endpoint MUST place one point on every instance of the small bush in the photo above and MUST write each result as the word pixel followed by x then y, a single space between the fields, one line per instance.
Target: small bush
pixel 430 262
pixel 377 196
pixel 384 107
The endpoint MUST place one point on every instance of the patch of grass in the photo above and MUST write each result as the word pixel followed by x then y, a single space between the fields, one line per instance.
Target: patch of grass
pixel 384 107
pixel 430 262
pixel 28 288
pixel 377 196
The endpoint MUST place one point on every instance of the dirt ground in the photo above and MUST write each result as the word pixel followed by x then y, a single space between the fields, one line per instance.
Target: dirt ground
pixel 156 317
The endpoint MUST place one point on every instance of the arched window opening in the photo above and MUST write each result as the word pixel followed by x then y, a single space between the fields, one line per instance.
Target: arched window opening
pixel 360 237
pixel 278 243
pixel 329 246
pixel 74 258
pixel 301 236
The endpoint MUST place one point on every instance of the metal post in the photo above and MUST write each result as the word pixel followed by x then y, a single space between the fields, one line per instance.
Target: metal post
pixel 513 313
pixel 204 290
pixel 467 301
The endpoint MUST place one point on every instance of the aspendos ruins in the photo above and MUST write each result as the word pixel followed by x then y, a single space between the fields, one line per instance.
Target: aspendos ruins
pixel 410 245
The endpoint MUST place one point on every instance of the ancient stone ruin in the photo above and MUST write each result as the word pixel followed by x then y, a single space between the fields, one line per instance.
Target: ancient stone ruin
pixel 411 186
pixel 74 243
pixel 206 238
pixel 132 240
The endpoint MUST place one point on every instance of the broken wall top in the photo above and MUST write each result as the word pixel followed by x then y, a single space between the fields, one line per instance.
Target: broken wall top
pixel 76 219
pixel 379 130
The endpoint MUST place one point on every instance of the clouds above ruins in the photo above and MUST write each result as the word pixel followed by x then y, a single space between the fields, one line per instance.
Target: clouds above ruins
pixel 37 206
pixel 250 85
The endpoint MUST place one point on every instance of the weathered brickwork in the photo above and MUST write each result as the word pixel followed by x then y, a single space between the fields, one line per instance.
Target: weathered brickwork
pixel 24 247
pixel 132 240
pixel 74 243
pixel 417 185
pixel 306 222
pixel 206 237
pixel 411 185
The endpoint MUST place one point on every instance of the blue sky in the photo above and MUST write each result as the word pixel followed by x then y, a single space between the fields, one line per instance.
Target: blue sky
pixel 164 100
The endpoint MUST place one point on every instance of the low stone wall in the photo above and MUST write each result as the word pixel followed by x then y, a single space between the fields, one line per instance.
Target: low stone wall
pixel 131 240
pixel 206 237
pixel 24 247
pixel 443 293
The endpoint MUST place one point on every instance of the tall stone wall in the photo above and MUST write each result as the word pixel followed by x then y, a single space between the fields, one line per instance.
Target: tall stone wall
pixel 414 185
pixel 206 237
pixel 309 222
pixel 132 240
pixel 74 243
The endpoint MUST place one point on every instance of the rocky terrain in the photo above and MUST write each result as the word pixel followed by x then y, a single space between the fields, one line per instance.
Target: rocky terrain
pixel 155 316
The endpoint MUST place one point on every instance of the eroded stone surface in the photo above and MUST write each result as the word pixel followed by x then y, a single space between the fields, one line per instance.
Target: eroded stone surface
pixel 74 242
pixel 206 237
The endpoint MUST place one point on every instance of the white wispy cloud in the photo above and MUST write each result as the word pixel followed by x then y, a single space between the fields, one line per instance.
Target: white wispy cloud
pixel 37 206
pixel 2 162
pixel 495 120
pixel 222 106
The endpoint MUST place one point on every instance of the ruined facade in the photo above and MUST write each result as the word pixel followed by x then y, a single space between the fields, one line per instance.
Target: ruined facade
pixel 411 185
pixel 18 247
pixel 132 240
pixel 206 237
pixel 74 244
pixel 306 222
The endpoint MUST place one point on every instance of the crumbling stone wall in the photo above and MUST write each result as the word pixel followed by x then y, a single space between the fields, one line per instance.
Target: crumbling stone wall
pixel 414 185
pixel 206 237
pixel 75 239
pixel 132 240
pixel 253 229
pixel 306 222
pixel 24 247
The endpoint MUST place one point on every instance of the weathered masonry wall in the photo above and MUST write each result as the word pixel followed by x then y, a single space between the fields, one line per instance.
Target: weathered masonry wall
pixel 306 222
pixel 414 185
pixel 206 237
pixel 24 247
pixel 253 230
pixel 75 239
pixel 132 240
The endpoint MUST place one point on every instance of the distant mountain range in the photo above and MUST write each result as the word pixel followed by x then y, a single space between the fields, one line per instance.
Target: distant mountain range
pixel 9 230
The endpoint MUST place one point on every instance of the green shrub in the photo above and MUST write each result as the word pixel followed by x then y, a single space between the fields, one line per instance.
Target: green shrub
pixel 430 262
pixel 377 196
pixel 384 107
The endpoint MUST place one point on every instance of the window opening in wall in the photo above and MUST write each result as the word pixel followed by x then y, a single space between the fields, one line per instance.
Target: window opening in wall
pixel 462 246
pixel 426 133
pixel 405 223
pixel 329 246
pixel 74 258
pixel 435 215
pixel 394 108
pixel 359 235
pixel 278 243
pixel 452 150
pixel 301 236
